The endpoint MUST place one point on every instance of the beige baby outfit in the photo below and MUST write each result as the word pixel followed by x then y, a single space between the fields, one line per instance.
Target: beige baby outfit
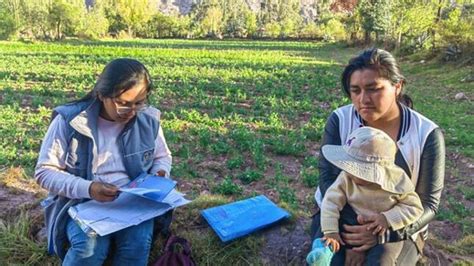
pixel 369 154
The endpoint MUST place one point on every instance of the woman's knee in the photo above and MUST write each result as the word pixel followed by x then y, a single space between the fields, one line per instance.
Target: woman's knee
pixel 83 246
pixel 409 254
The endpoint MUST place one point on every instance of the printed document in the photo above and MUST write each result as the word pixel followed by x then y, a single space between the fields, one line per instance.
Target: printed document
pixel 138 202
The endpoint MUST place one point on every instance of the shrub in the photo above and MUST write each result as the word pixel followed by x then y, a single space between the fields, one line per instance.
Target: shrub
pixel 235 162
pixel 334 30
pixel 7 24
pixel 228 187
pixel 457 28
pixel 250 176
pixel 93 24
pixel 272 30
pixel 311 31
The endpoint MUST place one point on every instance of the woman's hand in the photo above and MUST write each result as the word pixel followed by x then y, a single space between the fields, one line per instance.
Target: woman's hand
pixel 379 225
pixel 354 258
pixel 161 173
pixel 103 191
pixel 358 235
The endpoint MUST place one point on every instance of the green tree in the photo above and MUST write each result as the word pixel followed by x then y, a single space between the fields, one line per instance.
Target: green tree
pixel 250 22
pixel 311 31
pixel 165 26
pixel 272 30
pixel 411 19
pixel 283 12
pixel 239 19
pixel 93 22
pixel 381 17
pixel 289 18
pixel 11 17
pixel 134 14
pixel 269 12
pixel 375 16
pixel 323 8
pixel 458 27
pixel 207 19
pixel 160 26
pixel 35 16
pixel 63 16
pixel 353 25
pixel 211 24
pixel 334 30
pixel 116 22
pixel 182 28
pixel 7 23
pixel 288 28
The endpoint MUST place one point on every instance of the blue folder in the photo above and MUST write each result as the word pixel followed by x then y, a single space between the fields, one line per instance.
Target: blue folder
pixel 159 186
pixel 241 218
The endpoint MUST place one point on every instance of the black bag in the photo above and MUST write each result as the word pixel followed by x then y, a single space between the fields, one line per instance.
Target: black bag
pixel 172 257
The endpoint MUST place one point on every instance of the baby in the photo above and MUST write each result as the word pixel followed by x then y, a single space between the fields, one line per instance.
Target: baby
pixel 372 185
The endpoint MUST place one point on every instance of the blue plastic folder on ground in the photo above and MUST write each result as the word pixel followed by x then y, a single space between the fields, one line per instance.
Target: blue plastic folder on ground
pixel 243 217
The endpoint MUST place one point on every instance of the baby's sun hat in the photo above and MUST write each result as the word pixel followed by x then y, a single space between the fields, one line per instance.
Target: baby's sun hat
pixel 369 154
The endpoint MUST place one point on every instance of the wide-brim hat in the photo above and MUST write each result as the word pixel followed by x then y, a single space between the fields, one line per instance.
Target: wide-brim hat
pixel 369 154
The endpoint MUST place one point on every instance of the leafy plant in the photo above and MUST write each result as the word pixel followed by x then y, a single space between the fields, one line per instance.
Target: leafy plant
pixel 455 211
pixel 228 187
pixel 249 176
pixel 16 244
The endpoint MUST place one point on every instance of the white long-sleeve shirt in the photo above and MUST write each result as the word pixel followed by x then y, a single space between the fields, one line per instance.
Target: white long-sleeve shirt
pixel 50 169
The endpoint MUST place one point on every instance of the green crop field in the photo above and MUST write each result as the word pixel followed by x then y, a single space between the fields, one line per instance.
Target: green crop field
pixel 241 118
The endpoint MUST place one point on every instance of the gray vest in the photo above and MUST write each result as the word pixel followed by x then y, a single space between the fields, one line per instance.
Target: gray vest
pixel 136 142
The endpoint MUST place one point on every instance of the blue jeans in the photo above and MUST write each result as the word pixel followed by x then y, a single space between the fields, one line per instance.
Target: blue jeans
pixel 131 245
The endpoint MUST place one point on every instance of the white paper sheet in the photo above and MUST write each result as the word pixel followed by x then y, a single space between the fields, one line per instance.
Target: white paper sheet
pixel 127 210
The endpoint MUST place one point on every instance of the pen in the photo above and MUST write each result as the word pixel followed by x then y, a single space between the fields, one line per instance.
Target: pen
pixel 107 185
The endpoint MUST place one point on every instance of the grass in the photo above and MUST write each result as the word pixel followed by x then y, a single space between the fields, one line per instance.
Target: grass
pixel 17 246
pixel 207 248
pixel 464 246
pixel 241 117
pixel 433 88
pixel 468 192
pixel 455 211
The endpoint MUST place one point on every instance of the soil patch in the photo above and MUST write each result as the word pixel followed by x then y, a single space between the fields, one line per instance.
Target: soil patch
pixel 12 203
pixel 285 245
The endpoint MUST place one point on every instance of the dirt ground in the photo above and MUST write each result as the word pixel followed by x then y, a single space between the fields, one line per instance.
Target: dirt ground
pixel 286 244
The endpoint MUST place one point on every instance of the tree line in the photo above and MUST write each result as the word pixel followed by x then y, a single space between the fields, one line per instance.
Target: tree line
pixel 406 24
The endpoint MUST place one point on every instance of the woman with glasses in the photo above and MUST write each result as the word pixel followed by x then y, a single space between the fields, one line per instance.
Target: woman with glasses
pixel 94 146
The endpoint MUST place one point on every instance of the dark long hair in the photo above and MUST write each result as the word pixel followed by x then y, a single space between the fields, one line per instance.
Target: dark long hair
pixel 119 76
pixel 381 61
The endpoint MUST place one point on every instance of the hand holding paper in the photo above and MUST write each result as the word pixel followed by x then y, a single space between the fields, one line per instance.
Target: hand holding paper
pixel 142 199
pixel 103 192
pixel 151 187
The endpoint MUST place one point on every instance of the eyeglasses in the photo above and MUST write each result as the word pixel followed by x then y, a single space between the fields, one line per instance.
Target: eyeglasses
pixel 124 108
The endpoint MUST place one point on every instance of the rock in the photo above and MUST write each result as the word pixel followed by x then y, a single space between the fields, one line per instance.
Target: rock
pixel 469 78
pixel 422 61
pixel 308 8
pixel 204 192
pixel 460 96
pixel 42 235
pixel 452 53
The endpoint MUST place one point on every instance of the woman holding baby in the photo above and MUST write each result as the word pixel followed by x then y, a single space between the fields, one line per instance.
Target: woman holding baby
pixel 373 82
